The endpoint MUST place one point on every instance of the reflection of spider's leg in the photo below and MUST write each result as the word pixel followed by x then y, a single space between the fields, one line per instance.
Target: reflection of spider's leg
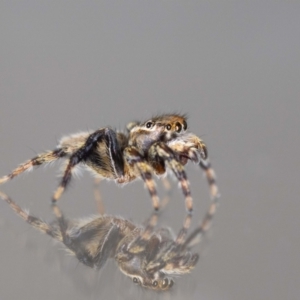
pixel 63 224
pixel 33 221
pixel 141 242
pixel 98 198
pixel 196 235
pixel 164 152
pixel 167 197
pixel 174 258
pixel 211 178
pixel 40 159
pixel 183 232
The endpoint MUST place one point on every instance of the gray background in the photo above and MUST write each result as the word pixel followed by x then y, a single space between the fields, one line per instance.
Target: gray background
pixel 233 66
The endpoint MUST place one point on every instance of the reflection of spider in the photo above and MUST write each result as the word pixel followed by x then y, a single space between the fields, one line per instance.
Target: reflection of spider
pixel 153 146
pixel 149 256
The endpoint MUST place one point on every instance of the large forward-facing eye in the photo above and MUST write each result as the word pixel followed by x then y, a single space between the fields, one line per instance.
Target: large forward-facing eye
pixel 155 283
pixel 178 127
pixel 149 124
pixel 165 283
pixel 184 125
pixel 136 280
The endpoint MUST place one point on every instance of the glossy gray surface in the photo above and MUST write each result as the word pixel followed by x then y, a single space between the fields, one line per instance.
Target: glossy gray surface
pixel 233 67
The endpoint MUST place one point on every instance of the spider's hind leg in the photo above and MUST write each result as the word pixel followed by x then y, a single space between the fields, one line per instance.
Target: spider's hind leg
pixel 32 220
pixel 40 159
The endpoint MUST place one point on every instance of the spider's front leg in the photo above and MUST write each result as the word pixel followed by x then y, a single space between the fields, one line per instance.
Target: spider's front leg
pixel 136 160
pixel 109 139
pixel 162 153
pixel 191 147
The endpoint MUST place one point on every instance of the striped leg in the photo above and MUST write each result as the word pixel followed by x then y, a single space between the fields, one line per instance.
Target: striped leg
pixel 196 235
pixel 167 154
pixel 134 157
pixel 76 158
pixel 211 178
pixel 142 241
pixel 33 221
pixel 40 159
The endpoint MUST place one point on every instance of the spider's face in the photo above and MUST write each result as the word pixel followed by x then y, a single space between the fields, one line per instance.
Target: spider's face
pixel 164 127
pixel 174 125
pixel 161 283
pixel 135 267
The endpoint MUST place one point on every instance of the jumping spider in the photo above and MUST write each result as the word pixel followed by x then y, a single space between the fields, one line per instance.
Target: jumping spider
pixel 149 256
pixel 154 146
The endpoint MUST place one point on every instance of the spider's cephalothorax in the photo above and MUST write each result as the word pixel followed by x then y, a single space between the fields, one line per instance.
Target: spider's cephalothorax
pixel 154 146
pixel 150 256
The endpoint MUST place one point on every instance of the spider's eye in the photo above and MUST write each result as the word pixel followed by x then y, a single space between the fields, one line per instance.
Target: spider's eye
pixel 155 283
pixel 149 124
pixel 168 127
pixel 135 280
pixel 165 283
pixel 178 127
pixel 171 283
pixel 184 125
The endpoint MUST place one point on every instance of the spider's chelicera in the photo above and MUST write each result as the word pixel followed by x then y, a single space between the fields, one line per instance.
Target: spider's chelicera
pixel 150 256
pixel 148 148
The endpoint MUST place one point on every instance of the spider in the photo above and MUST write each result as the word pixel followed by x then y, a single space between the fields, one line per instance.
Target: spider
pixel 148 255
pixel 155 146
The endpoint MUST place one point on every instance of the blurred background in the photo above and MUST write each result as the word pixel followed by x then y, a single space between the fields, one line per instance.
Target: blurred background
pixel 232 66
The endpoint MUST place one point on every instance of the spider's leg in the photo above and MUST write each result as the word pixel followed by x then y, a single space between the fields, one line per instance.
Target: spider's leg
pixel 40 159
pixel 142 241
pixel 166 153
pixel 82 154
pixel 196 235
pixel 179 257
pixel 33 221
pixel 108 246
pixel 183 232
pixel 211 178
pixel 63 224
pixel 167 197
pixel 145 170
pixel 175 259
pixel 146 174
pixel 98 198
